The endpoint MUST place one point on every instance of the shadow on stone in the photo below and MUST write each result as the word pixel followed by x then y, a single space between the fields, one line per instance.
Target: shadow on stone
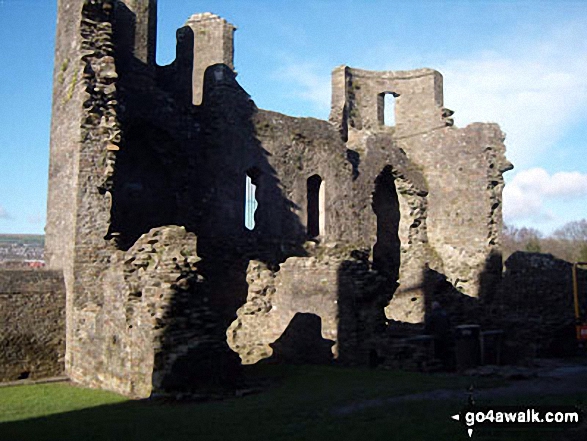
pixel 176 238
pixel 302 342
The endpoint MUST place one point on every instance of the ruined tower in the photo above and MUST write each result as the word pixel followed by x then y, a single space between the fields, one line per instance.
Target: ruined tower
pixel 213 44
pixel 149 172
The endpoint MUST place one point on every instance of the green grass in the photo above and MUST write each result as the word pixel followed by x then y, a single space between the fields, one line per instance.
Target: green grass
pixel 24 402
pixel 298 405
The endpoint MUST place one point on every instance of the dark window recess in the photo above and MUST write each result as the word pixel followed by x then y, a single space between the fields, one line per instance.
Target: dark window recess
pixel 313 208
pixel 386 251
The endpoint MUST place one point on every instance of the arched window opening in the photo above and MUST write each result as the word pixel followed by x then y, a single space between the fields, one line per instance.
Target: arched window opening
pixel 315 206
pixel 251 203
pixel 386 251
pixel 386 108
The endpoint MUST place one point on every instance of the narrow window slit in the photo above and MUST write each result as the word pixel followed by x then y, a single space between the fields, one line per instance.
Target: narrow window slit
pixel 251 202
pixel 315 206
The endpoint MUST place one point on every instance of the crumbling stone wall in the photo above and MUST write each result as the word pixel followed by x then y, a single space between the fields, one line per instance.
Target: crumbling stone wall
pixel 351 214
pixel 32 324
pixel 65 149
pixel 339 286
pixel 95 145
pixel 214 45
pixel 157 332
pixel 462 168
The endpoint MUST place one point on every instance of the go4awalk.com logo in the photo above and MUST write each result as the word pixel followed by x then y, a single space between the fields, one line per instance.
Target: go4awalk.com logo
pixel 519 417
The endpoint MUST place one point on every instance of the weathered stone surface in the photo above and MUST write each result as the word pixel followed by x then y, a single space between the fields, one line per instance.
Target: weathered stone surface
pixel 156 333
pixel 352 215
pixel 535 306
pixel 32 324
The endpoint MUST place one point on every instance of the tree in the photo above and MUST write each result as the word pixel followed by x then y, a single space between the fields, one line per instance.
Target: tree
pixel 575 231
pixel 574 235
pixel 520 239
pixel 533 245
pixel 568 242
pixel 583 253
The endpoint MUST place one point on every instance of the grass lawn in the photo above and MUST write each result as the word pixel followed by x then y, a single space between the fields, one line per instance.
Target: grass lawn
pixel 298 406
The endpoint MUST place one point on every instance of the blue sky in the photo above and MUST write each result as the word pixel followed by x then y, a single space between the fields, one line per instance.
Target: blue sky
pixel 520 64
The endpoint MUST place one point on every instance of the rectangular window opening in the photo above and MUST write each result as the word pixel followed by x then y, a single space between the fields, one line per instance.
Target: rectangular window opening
pixel 389 110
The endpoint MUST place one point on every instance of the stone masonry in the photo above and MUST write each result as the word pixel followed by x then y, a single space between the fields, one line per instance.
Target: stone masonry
pixel 32 324
pixel 149 170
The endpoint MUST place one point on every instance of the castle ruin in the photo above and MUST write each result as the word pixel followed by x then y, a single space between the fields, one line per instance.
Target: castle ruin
pixel 191 226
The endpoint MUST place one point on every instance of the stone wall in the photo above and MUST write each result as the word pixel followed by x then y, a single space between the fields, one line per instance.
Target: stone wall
pixel 449 181
pixel 463 169
pixel 157 332
pixel 351 215
pixel 358 98
pixel 65 145
pixel 302 284
pixel 532 304
pixel 32 324
pixel 535 305
pixel 332 281
pixel 214 45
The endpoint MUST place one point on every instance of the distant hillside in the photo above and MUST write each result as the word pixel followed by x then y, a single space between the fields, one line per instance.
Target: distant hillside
pixel 32 239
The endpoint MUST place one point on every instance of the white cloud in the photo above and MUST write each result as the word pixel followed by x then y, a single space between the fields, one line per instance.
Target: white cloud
pixel 4 214
pixel 310 83
pixel 535 92
pixel 528 193
pixel 561 184
pixel 535 89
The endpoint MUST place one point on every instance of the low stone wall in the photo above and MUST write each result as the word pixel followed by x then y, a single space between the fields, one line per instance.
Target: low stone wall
pixel 535 306
pixel 532 311
pixel 32 324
